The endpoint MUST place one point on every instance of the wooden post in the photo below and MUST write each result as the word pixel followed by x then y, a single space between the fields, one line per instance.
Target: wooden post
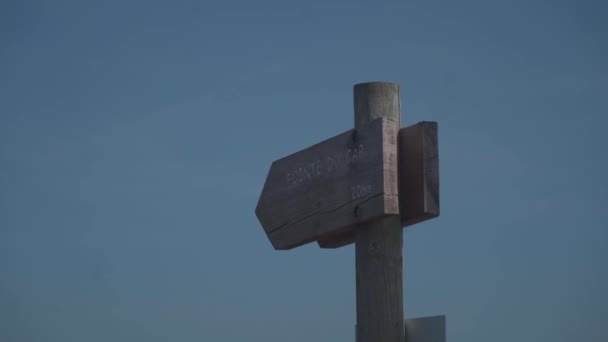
pixel 379 243
pixel 361 186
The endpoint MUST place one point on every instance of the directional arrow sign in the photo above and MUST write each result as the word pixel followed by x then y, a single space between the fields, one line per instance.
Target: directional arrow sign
pixel 329 187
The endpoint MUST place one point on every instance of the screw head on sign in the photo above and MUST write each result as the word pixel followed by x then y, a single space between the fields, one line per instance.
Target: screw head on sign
pixel 374 247
pixel 357 211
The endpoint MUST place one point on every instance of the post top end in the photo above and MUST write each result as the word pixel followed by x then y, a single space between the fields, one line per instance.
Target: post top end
pixel 376 84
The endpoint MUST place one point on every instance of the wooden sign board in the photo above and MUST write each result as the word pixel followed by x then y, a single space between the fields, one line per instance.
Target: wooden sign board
pixel 418 173
pixel 330 187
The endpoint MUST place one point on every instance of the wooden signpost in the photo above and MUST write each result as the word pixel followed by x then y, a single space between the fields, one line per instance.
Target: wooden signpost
pixel 328 188
pixel 362 187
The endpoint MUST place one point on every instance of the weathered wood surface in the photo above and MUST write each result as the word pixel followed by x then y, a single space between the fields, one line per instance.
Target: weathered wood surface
pixel 379 243
pixel 418 179
pixel 418 173
pixel 331 186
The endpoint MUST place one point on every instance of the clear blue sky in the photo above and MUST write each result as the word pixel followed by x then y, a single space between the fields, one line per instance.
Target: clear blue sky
pixel 135 138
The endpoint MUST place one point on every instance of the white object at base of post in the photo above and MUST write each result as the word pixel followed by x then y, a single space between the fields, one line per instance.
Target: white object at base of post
pixel 426 329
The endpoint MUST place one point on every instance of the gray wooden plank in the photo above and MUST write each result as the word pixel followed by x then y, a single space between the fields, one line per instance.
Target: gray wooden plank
pixel 331 186
pixel 379 243
pixel 418 179
pixel 418 173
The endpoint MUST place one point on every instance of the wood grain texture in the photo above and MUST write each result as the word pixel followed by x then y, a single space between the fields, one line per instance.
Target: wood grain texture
pixel 379 243
pixel 329 187
pixel 418 173
pixel 418 179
